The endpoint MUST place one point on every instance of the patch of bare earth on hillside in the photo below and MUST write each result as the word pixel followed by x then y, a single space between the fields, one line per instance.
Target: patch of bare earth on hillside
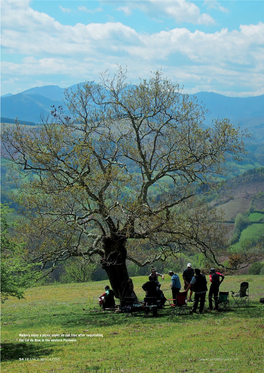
pixel 237 196
pixel 233 207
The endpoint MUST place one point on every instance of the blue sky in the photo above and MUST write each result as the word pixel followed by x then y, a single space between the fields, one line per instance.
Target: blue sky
pixel 208 45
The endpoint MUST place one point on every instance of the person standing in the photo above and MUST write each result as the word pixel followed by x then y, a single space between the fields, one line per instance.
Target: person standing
pixel 216 279
pixel 199 285
pixel 175 285
pixel 187 275
pixel 154 274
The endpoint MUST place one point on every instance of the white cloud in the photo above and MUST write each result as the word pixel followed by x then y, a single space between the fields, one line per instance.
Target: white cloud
pixel 86 10
pixel 65 10
pixel 179 10
pixel 213 4
pixel 219 47
pixel 81 51
pixel 19 12
pixel 31 32
pixel 125 9
pixel 44 66
pixel 18 4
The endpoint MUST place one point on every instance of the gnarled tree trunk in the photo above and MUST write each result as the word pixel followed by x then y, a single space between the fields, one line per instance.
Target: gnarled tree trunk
pixel 115 266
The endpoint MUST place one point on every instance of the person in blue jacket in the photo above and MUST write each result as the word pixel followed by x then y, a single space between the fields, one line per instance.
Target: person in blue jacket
pixel 175 285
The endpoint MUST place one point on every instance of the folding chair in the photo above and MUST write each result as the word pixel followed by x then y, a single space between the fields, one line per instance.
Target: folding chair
pixel 241 298
pixel 128 305
pixel 223 300
pixel 180 306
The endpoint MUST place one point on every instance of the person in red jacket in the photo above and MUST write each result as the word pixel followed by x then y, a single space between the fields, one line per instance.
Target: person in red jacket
pixel 216 278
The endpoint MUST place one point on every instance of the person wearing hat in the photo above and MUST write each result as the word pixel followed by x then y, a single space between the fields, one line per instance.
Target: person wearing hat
pixel 187 275
pixel 156 274
pixel 175 285
pixel 199 285
pixel 216 278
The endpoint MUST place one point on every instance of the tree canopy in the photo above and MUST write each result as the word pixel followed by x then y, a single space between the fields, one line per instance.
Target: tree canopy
pixel 116 175
pixel 16 273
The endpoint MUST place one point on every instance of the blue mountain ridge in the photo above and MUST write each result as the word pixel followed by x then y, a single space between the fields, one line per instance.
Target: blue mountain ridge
pixel 34 103
pixel 232 107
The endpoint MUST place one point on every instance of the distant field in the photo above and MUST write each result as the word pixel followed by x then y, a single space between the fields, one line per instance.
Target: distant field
pixel 239 168
pixel 252 232
pixel 30 124
pixel 256 216
pixel 233 207
pixel 228 341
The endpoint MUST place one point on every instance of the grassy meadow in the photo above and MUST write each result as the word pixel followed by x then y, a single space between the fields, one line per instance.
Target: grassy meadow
pixel 60 328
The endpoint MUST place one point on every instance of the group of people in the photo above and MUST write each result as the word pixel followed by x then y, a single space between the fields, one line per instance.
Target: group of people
pixel 194 282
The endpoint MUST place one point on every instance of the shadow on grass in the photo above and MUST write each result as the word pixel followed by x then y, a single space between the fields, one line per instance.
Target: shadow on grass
pixel 100 319
pixel 109 318
pixel 16 351
pixel 252 311
pixel 103 319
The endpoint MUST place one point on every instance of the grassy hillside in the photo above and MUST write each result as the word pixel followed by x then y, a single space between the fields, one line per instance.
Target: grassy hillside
pixel 77 337
pixel 253 231
pixel 244 195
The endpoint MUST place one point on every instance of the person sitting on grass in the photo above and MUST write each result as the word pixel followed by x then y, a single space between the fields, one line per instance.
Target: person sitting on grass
pixel 129 290
pixel 150 288
pixel 107 300
pixel 160 296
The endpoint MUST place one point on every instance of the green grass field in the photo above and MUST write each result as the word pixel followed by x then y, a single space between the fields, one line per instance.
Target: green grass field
pixel 256 216
pixel 252 232
pixel 61 329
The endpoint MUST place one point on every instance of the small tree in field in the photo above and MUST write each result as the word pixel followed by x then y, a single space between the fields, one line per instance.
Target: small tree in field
pixel 16 273
pixel 117 178
pixel 78 270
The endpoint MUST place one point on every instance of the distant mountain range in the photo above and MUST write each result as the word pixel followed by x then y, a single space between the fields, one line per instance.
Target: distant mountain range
pixel 35 103
pixel 232 107
pixel 32 104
